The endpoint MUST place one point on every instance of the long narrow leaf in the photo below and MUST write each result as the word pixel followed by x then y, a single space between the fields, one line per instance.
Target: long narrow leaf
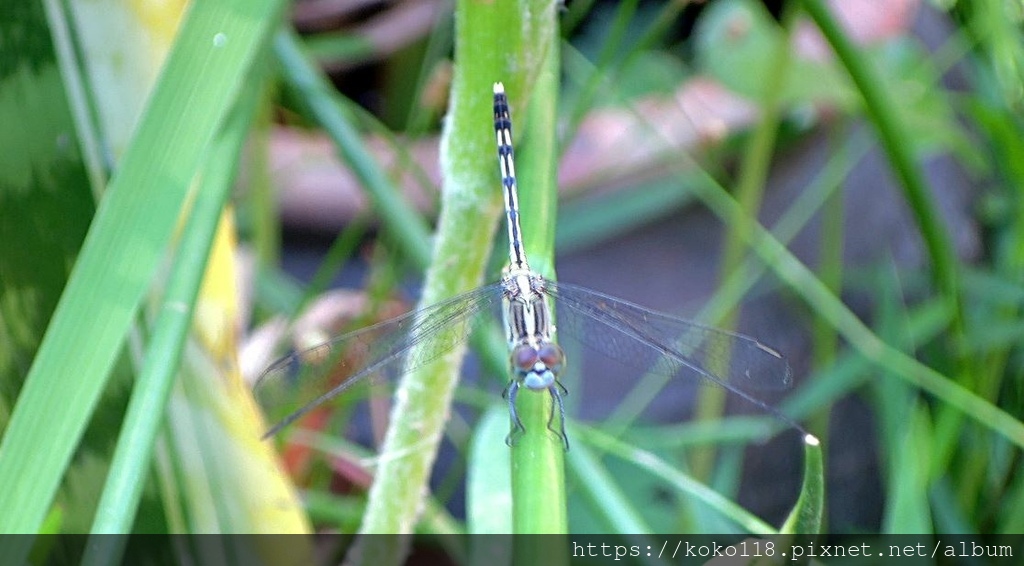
pixel 122 249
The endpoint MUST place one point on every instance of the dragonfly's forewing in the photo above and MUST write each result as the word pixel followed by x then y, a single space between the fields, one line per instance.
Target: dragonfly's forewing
pixel 299 382
pixel 632 341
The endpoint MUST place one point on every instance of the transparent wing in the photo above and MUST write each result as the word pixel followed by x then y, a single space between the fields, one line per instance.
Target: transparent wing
pixel 306 379
pixel 650 341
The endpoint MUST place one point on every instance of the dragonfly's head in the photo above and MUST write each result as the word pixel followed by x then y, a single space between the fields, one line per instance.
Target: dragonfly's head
pixel 537 367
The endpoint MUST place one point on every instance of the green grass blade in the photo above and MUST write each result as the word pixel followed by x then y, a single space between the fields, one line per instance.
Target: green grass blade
pixel 811 289
pixel 652 464
pixel 593 478
pixel 489 480
pixel 599 218
pixel 403 223
pixel 897 144
pixel 750 185
pixel 146 409
pixel 907 509
pixel 732 290
pixel 806 516
pixel 125 243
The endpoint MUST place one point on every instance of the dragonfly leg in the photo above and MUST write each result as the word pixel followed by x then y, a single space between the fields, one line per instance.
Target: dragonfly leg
pixel 562 389
pixel 518 429
pixel 556 399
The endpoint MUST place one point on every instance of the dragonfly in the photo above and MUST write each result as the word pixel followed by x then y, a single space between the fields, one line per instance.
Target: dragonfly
pixel 639 337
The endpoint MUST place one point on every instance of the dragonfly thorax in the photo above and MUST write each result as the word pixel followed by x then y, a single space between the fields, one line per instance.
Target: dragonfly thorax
pixel 527 315
pixel 536 359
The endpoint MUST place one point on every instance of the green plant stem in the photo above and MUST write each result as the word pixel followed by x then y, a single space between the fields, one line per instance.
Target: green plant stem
pixel 538 474
pixel 487 38
pixel 403 224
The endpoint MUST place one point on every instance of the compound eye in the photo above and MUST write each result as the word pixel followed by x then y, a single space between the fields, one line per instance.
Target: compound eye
pixel 551 355
pixel 524 357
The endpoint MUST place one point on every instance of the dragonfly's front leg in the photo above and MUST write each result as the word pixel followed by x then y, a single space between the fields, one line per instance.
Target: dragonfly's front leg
pixel 518 429
pixel 557 391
